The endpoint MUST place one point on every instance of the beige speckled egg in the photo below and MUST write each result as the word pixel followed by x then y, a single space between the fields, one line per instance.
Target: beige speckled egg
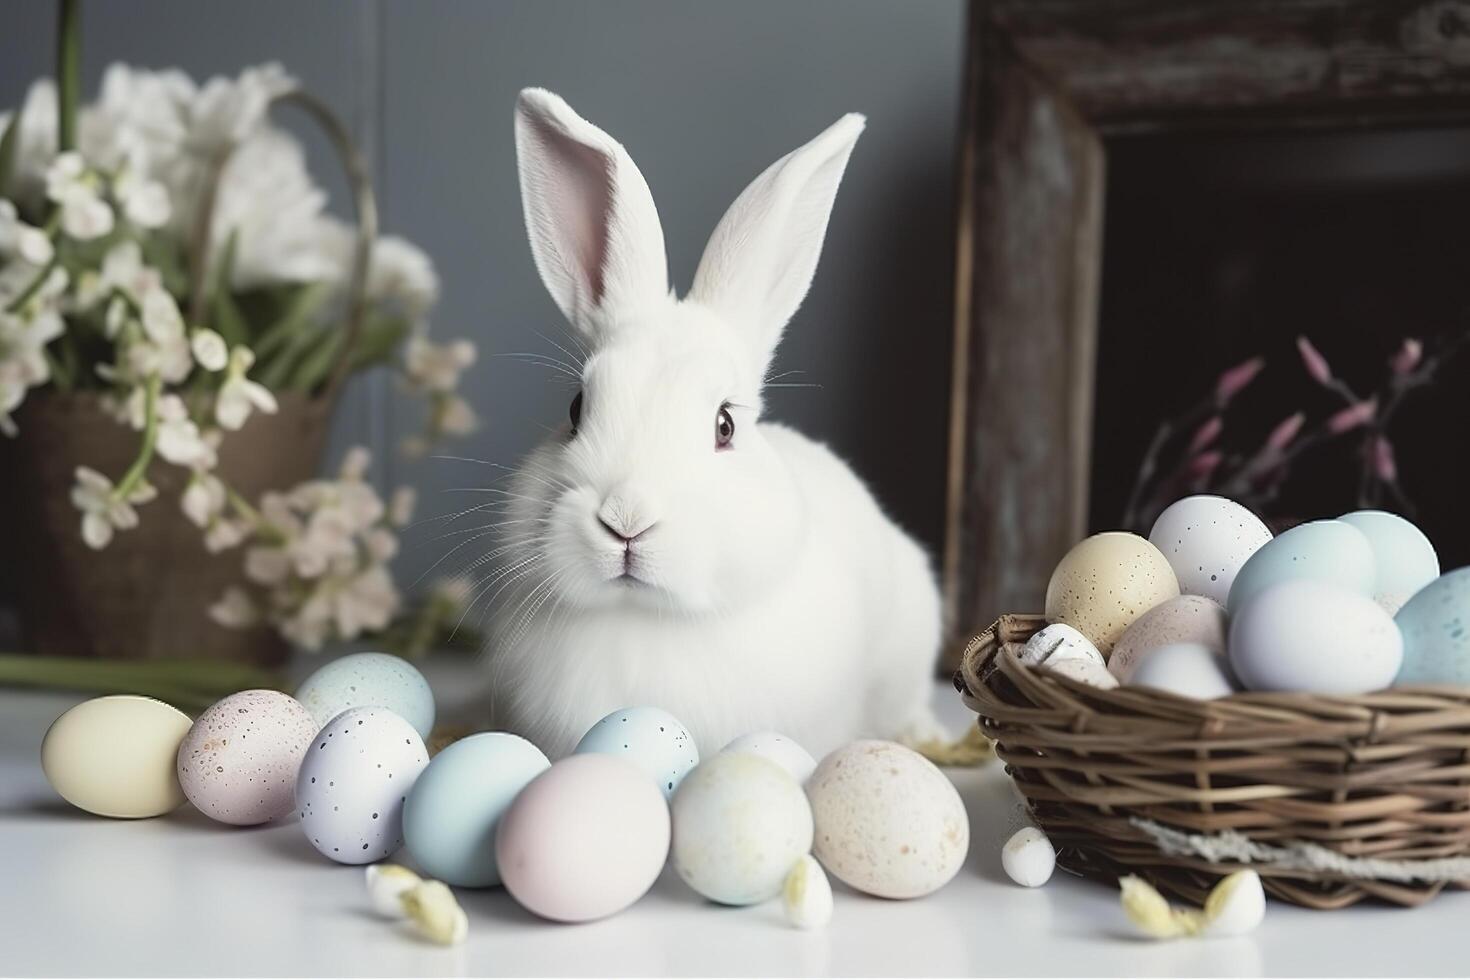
pixel 114 756
pixel 888 822
pixel 238 763
pixel 1185 619
pixel 1105 583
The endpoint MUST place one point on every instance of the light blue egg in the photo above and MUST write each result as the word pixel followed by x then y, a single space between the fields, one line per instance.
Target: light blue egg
pixel 452 812
pixel 1436 628
pixel 1404 558
pixel 369 680
pixel 653 739
pixel 1320 551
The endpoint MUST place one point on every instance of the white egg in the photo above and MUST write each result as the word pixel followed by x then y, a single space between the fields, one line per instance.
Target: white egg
pixel 741 822
pixel 1084 671
pixel 650 738
pixel 1029 858
pixel 1206 540
pixel 807 895
pixel 889 823
pixel 1190 670
pixel 1058 642
pixel 780 749
pixel 354 781
pixel 1315 638
pixel 1403 557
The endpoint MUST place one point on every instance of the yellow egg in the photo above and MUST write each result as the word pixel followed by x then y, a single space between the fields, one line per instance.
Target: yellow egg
pixel 117 756
pixel 1105 583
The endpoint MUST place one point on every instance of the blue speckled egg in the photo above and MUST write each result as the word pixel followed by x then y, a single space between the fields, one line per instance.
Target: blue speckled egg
pixel 1330 552
pixel 1436 628
pixel 450 818
pixel 651 738
pixel 1404 559
pixel 362 679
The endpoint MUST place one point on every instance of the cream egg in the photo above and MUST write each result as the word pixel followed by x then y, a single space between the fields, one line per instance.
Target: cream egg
pixel 115 756
pixel 1105 583
pixel 1206 540
pixel 888 822
pixel 238 763
pixel 1185 619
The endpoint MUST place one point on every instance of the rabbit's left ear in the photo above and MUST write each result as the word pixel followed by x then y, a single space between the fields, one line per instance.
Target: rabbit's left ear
pixel 595 234
pixel 761 258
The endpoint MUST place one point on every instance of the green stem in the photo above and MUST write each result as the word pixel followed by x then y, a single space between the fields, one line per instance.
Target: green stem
pixel 68 73
pixel 32 287
pixel 135 473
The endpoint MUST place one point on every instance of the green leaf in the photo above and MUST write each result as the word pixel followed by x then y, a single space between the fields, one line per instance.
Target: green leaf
pixel 298 315
pixel 380 337
pixel 318 362
pixel 228 321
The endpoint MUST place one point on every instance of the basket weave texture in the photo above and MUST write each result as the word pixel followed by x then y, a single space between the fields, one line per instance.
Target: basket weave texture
pixel 1384 775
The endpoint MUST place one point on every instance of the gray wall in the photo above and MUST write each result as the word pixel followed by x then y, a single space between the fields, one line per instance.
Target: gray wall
pixel 704 95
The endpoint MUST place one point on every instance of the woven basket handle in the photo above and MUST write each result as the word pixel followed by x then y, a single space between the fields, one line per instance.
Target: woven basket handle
pixel 365 209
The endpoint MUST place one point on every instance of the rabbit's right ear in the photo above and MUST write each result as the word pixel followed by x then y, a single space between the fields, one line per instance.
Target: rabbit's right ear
pixel 595 234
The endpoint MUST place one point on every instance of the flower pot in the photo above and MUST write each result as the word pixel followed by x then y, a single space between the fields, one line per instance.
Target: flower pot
pixel 147 594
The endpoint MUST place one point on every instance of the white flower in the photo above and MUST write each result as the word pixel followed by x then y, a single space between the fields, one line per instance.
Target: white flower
pixel 239 396
pixel 436 367
pixel 35 146
pixel 84 214
pixel 225 534
pixel 268 566
pixel 161 318
pixel 400 507
pixel 366 602
pixel 381 544
pixel 144 202
pixel 203 499
pixel 103 511
pixel 226 111
pixel 456 417
pixel 355 463
pixel 234 610
pixel 385 883
pixel 123 269
pixel 209 349
pixel 23 362
pixel 179 439
pixel 29 244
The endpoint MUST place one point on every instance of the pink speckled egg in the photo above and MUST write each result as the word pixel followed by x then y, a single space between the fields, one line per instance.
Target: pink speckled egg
pixel 584 839
pixel 1184 619
pixel 238 762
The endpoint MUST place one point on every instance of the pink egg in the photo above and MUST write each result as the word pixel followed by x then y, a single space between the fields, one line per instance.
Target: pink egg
pixel 584 839
pixel 238 763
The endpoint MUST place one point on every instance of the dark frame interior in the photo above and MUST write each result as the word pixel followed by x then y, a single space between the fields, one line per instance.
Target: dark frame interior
pixel 1047 81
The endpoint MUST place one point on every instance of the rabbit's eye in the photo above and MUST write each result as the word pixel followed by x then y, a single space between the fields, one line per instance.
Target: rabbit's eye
pixel 724 428
pixel 575 412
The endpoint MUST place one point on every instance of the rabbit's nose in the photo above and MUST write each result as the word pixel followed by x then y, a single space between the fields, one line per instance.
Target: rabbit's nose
pixel 623 535
pixel 620 522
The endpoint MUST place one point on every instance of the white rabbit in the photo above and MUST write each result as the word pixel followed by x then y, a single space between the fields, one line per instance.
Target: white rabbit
pixel 668 547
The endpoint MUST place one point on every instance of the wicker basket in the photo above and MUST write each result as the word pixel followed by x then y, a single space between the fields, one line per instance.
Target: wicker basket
pixel 1381 776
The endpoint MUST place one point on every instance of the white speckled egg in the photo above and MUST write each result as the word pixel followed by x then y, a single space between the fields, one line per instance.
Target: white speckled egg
pixel 740 823
pixel 1436 627
pixel 1085 671
pixel 1106 582
pixel 451 813
pixel 369 679
pixel 1029 858
pixel 585 839
pixel 650 738
pixel 1403 559
pixel 1319 551
pixel 783 751
pixel 115 756
pixel 1058 642
pixel 1186 619
pixel 889 823
pixel 1206 540
pixel 1314 637
pixel 354 780
pixel 238 764
pixel 1190 670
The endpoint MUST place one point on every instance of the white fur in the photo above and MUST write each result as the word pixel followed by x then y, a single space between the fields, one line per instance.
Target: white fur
pixel 764 589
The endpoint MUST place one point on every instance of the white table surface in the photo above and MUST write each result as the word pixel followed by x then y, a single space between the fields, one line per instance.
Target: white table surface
pixel 181 895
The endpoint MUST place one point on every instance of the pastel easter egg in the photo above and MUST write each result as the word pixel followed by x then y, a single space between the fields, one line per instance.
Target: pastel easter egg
pixel 1332 552
pixel 450 816
pixel 1436 628
pixel 1403 559
pixel 238 764
pixel 356 776
pixel 1190 670
pixel 888 822
pixel 115 756
pixel 1106 582
pixel 741 822
pixel 650 738
pixel 1316 638
pixel 369 679
pixel 783 750
pixel 1058 642
pixel 1186 619
pixel 1207 539
pixel 585 839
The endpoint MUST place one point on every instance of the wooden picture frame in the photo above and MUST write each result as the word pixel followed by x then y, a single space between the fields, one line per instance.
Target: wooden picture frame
pixel 1047 82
